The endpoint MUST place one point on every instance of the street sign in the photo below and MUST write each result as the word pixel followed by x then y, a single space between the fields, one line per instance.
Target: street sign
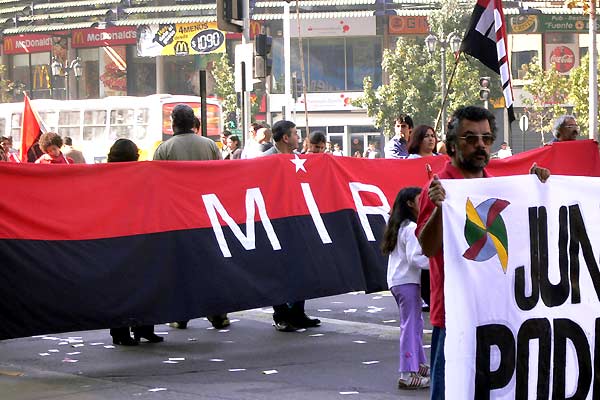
pixel 524 123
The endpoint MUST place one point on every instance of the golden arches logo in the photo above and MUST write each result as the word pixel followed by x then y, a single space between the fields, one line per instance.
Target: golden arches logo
pixel 41 77
pixel 78 37
pixel 9 44
pixel 181 48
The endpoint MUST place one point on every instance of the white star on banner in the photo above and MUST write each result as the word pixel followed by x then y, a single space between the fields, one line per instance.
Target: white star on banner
pixel 299 163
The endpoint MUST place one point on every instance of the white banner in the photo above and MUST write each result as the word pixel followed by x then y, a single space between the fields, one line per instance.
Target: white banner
pixel 510 336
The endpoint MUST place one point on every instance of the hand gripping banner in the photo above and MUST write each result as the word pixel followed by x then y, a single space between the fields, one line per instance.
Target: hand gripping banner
pixel 98 246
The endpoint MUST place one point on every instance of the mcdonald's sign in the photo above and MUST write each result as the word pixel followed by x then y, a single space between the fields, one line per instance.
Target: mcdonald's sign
pixel 41 77
pixel 115 36
pixel 23 44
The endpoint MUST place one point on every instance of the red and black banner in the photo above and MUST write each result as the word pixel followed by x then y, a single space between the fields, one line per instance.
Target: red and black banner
pixel 108 245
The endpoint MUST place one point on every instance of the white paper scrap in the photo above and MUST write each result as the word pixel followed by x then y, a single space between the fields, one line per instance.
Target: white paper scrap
pixel 353 392
pixel 359 341
pixel 316 335
pixel 44 354
pixel 324 310
pixel 350 310
pixel 70 360
pixel 157 389
pixel 223 330
pixel 161 333
pixel 377 297
pixel 170 362
pixel 73 353
pixel 234 320
pixel 370 362
pixel 176 359
pixel 109 346
pixel 78 345
pixel 63 343
pixel 389 321
pixel 236 369
pixel 270 371
pixel 216 360
pixel 53 351
pixel 96 344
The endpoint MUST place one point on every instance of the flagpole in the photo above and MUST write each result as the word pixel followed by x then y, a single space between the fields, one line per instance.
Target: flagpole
pixel 446 92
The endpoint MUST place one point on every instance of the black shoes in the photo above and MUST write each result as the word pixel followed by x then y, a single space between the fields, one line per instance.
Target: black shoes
pixel 146 332
pixel 125 341
pixel 306 322
pixel 219 321
pixel 295 323
pixel 284 326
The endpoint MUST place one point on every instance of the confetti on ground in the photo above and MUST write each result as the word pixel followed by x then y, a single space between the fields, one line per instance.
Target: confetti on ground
pixel 78 345
pixel 228 341
pixel 157 390
pixel 63 343
pixel 170 362
pixel 370 362
pixel 161 333
pixel 44 354
pixel 353 392
pixel 350 310
pixel 176 359
pixel 109 346
pixel 359 341
pixel 316 335
pixel 51 338
pixel 337 302
pixel 96 344
pixel 387 295
pixel 223 330
pixel 53 351
pixel 216 360
pixel 377 297
pixel 301 330
pixel 324 310
pixel 69 360
pixel 234 320
pixel 270 372
pixel 389 321
pixel 236 369
pixel 210 328
pixel 73 353
pixel 192 339
pixel 75 338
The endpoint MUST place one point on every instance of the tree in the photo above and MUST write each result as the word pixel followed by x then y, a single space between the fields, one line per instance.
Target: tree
pixel 414 77
pixel 225 84
pixel 548 95
pixel 579 85
pixel 8 87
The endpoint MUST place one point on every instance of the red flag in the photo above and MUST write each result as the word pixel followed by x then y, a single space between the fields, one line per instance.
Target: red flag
pixel 31 129
pixel 486 40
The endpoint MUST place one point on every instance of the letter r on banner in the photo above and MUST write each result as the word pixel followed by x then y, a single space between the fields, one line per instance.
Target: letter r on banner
pixel 253 197
pixel 363 211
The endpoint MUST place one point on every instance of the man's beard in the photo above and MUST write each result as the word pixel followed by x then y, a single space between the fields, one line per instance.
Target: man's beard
pixel 471 164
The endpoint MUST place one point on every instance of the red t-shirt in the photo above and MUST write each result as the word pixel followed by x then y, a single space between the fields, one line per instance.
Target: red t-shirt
pixel 436 263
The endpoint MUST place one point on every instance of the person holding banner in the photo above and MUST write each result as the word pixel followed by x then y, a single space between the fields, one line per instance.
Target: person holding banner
pixel 471 133
pixel 405 262
pixel 50 143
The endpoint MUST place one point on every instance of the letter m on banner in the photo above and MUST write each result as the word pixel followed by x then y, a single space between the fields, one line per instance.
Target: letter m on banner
pixel 486 40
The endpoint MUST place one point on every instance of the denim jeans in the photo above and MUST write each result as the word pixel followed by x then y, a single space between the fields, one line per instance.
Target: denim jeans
pixel 438 364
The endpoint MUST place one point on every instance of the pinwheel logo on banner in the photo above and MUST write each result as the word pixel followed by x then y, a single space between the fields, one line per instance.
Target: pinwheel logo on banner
pixel 485 231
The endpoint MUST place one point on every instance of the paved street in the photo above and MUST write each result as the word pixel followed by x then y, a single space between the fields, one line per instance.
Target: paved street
pixel 354 354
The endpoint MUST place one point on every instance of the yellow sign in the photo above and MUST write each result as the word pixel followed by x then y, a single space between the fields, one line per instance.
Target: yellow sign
pixel 41 77
pixel 180 39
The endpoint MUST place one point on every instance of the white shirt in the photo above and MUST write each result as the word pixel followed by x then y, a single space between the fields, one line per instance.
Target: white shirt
pixel 503 153
pixel 407 260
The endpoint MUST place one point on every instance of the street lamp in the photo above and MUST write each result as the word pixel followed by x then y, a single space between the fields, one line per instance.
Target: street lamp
pixel 58 69
pixel 453 41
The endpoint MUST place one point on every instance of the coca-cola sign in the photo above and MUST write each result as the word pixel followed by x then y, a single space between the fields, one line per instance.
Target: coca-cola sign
pixel 563 57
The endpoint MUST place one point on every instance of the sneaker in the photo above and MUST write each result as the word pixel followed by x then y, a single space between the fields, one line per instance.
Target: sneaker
pixel 424 370
pixel 413 381
pixel 284 326
pixel 306 322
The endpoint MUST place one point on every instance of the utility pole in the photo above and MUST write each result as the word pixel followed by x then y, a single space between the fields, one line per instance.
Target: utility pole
pixel 287 61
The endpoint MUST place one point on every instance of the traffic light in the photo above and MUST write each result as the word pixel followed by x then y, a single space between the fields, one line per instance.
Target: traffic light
pixel 484 88
pixel 231 122
pixel 262 56
pixel 230 14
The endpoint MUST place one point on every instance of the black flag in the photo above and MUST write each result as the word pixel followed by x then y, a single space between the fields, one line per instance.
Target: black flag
pixel 486 40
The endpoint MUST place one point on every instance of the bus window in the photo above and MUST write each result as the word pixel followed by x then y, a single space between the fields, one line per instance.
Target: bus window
pixel 94 124
pixel 141 123
pixel 213 116
pixel 121 124
pixel 3 127
pixel 69 124
pixel 15 127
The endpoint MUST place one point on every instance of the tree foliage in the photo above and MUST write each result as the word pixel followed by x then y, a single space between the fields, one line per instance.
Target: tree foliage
pixel 8 87
pixel 548 92
pixel 415 77
pixel 579 86
pixel 224 83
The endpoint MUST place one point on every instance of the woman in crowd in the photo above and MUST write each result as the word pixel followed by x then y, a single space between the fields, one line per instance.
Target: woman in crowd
pixel 50 143
pixel 404 276
pixel 121 151
pixel 233 144
pixel 423 142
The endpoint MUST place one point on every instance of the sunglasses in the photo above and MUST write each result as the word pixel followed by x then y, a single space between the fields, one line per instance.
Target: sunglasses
pixel 474 139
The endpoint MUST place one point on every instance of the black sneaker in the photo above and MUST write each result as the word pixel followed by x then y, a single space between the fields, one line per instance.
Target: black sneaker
pixel 284 326
pixel 306 322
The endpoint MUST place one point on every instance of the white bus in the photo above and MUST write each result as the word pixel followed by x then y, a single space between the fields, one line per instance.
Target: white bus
pixel 95 124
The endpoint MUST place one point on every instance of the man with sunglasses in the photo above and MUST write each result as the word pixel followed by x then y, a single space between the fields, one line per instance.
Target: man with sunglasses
pixel 565 129
pixel 397 147
pixel 471 133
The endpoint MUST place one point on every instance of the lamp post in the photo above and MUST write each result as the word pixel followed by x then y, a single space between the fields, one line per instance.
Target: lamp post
pixel 58 69
pixel 453 41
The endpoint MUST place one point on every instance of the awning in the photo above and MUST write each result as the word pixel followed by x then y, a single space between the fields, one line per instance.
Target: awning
pixel 313 3
pixel 168 20
pixel 47 28
pixel 317 15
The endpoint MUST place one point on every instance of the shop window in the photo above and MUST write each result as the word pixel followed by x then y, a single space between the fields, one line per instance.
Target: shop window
pixel 113 71
pixel 40 70
pixel 357 145
pixel 335 129
pixel 327 65
pixel 89 83
pixel 364 59
pixel 141 74
pixel 181 76
pixel 20 70
pixel 519 60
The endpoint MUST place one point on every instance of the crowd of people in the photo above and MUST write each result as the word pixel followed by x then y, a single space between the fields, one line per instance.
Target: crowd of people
pixel 412 240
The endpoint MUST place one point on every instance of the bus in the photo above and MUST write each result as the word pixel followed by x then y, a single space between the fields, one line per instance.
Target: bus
pixel 95 124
